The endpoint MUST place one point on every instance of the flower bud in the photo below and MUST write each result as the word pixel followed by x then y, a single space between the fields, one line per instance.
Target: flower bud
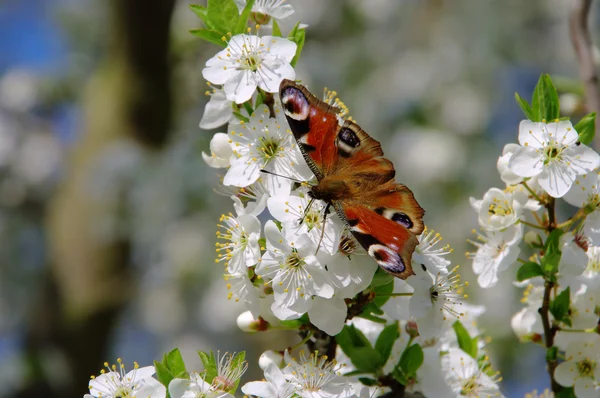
pixel 532 238
pixel 412 329
pixel 270 357
pixel 247 323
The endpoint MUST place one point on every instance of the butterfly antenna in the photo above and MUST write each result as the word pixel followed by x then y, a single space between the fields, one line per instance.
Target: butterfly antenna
pixel 306 209
pixel 323 230
pixel 279 175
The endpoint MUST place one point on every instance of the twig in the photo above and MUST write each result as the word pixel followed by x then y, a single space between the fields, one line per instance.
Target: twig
pixel 582 42
pixel 549 333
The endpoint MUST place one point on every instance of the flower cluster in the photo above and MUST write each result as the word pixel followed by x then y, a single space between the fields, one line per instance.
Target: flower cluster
pixel 559 265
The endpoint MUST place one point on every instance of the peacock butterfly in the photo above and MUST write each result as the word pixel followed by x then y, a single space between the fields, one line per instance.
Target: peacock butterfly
pixel 355 178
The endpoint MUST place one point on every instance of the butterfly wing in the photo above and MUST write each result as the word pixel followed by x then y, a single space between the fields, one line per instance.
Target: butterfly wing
pixel 384 216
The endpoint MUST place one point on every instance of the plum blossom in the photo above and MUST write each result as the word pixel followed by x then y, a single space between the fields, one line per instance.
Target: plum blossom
pixel 553 153
pixel 574 259
pixel 316 377
pixel 429 253
pixel 218 110
pixel 117 383
pixel 196 386
pixel 466 378
pixel 241 235
pixel 496 251
pixel 265 143
pixel 499 209
pixel 220 151
pixel 273 8
pixel 301 215
pixel 581 368
pixel 506 174
pixel 274 386
pixel 295 273
pixel 249 62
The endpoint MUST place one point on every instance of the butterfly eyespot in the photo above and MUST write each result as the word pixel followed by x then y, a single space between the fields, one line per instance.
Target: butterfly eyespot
pixel 295 104
pixel 349 137
pixel 403 219
pixel 387 258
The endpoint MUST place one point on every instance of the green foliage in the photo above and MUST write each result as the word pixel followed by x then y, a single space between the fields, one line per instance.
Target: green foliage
pixel 360 351
pixel 237 362
pixel 529 270
pixel 566 392
pixel 298 36
pixel 525 107
pixel 559 307
pixel 465 342
pixel 386 340
pixel 410 361
pixel 221 19
pixel 552 353
pixel 544 102
pixel 243 20
pixel 210 365
pixel 586 128
pixel 171 367
pixel 552 252
pixel 276 29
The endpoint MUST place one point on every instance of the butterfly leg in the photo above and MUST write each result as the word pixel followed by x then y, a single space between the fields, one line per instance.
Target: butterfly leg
pixel 306 209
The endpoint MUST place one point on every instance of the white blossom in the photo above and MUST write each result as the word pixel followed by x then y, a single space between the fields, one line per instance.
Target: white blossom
pixel 265 143
pixel 275 385
pixel 195 387
pixel 581 368
pixel 295 273
pixel 220 151
pixel 218 110
pixel 117 383
pixel 249 62
pixel 466 378
pixel 506 174
pixel 316 377
pixel 277 9
pixel 496 251
pixel 553 153
pixel 499 209
pixel 241 235
pixel 429 253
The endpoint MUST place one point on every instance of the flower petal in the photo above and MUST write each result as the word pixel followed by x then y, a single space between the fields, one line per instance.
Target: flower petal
pixel 526 162
pixel 531 134
pixel 556 179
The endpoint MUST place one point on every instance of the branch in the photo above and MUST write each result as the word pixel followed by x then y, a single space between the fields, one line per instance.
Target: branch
pixel 549 333
pixel 582 42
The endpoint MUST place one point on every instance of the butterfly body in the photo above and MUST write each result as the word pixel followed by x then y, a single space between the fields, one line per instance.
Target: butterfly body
pixel 355 178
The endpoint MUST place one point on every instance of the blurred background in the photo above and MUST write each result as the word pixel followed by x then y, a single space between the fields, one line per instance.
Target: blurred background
pixel 107 211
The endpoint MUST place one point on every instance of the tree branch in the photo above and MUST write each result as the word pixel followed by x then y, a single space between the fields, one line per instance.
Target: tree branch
pixel 582 42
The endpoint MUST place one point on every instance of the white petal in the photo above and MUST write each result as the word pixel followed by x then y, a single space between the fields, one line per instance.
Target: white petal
pixel 586 388
pixel 178 387
pixel 152 388
pixel 282 11
pixel 272 73
pixel 260 389
pixel 582 159
pixel 240 87
pixel 530 134
pixel 281 48
pixel 562 132
pixel 328 315
pixel 573 260
pixel 217 111
pixel 526 162
pixel 219 72
pixel 243 172
pixel 583 190
pixel 556 179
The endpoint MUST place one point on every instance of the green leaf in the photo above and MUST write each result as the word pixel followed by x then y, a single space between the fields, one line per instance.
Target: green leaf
pixel 550 263
pixel 566 392
pixel 465 342
pixel 528 271
pixel 210 365
pixel 276 29
pixel 202 13
pixel 525 107
pixel 367 381
pixel 559 307
pixel 223 15
pixel 298 36
pixel 211 36
pixel 242 21
pixel 354 344
pixel 241 117
pixel 382 294
pixel 544 104
pixel 586 128
pixel 386 340
pixel 163 374
pixel 552 245
pixel 552 353
pixel 175 362
pixel 411 360
pixel 381 278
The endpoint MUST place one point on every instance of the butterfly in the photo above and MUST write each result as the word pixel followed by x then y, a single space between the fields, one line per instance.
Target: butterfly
pixel 355 179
